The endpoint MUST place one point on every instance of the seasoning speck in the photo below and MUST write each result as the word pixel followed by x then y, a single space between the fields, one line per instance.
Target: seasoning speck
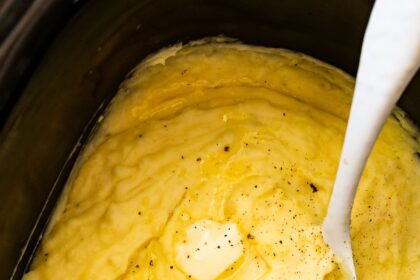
pixel 313 187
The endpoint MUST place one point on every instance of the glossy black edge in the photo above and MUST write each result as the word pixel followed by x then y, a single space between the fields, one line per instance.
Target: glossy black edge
pixel 27 31
pixel 34 239
pixel 11 12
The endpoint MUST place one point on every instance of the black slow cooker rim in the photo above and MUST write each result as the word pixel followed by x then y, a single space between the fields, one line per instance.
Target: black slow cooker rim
pixel 27 29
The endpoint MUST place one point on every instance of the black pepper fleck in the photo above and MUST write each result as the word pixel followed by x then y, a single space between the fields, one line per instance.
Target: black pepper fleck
pixel 313 187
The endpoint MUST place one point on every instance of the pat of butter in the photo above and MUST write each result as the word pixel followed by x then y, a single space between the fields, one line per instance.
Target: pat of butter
pixel 209 249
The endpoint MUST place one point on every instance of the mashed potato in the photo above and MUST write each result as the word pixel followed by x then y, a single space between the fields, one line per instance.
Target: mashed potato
pixel 216 161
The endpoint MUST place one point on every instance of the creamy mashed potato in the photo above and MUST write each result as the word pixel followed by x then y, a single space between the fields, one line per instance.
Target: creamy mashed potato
pixel 216 161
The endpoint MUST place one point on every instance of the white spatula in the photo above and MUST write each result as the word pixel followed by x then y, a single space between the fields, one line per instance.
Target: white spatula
pixel 390 58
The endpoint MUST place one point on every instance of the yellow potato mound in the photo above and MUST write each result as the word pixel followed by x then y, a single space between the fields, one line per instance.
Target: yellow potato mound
pixel 228 134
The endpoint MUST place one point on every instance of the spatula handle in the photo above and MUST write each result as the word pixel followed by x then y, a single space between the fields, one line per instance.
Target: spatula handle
pixel 390 57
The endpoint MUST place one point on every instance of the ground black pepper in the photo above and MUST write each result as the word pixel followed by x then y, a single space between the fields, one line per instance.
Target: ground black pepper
pixel 313 187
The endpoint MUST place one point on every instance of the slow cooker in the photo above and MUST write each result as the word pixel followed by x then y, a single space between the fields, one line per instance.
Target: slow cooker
pixel 61 62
